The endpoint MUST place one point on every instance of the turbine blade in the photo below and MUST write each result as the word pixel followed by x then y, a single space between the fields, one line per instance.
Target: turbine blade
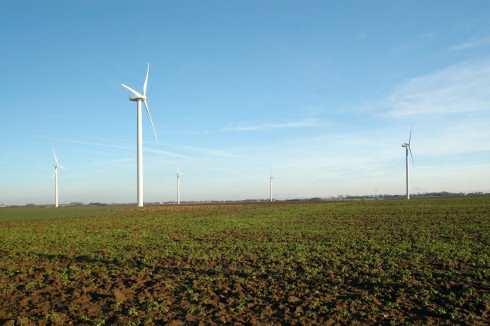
pixel 55 159
pixel 146 79
pixel 149 115
pixel 410 138
pixel 132 90
pixel 54 173
pixel 410 150
pixel 61 166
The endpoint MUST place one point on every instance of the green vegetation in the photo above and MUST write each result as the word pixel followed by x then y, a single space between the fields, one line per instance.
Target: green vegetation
pixel 388 262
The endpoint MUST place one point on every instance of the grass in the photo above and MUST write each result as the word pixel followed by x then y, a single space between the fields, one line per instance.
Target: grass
pixel 372 262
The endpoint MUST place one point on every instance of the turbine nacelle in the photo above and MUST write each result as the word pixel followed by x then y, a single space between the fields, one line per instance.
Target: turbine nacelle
pixel 137 98
pixel 407 146
pixel 56 164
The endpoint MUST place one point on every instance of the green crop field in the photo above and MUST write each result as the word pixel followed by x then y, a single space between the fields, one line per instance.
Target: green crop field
pixel 367 262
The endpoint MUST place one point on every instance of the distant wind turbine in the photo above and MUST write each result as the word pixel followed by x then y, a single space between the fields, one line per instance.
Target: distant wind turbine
pixel 138 98
pixel 55 175
pixel 270 186
pixel 178 185
pixel 407 150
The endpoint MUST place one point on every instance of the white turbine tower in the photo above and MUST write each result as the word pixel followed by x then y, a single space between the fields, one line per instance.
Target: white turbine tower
pixel 407 150
pixel 270 186
pixel 138 98
pixel 55 175
pixel 178 185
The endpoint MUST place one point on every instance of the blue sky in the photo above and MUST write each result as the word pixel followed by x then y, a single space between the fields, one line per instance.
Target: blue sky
pixel 322 93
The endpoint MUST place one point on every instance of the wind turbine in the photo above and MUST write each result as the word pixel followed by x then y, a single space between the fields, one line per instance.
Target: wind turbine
pixel 270 186
pixel 407 150
pixel 178 185
pixel 138 98
pixel 55 175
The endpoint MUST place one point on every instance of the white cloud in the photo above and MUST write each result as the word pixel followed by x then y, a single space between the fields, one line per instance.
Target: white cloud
pixel 208 152
pixel 116 146
pixel 472 43
pixel 455 139
pixel 463 87
pixel 417 42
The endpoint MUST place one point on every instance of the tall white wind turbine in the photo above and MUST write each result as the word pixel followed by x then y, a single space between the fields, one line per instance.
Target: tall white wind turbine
pixel 55 175
pixel 270 186
pixel 138 98
pixel 407 150
pixel 178 185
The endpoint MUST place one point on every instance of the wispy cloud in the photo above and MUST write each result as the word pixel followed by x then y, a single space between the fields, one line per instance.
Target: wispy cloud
pixel 209 152
pixel 103 164
pixel 472 43
pixel 463 138
pixel 305 123
pixel 162 152
pixel 463 87
pixel 116 146
pixel 416 42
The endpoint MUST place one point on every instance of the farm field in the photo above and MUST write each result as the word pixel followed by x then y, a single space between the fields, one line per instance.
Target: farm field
pixel 425 261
